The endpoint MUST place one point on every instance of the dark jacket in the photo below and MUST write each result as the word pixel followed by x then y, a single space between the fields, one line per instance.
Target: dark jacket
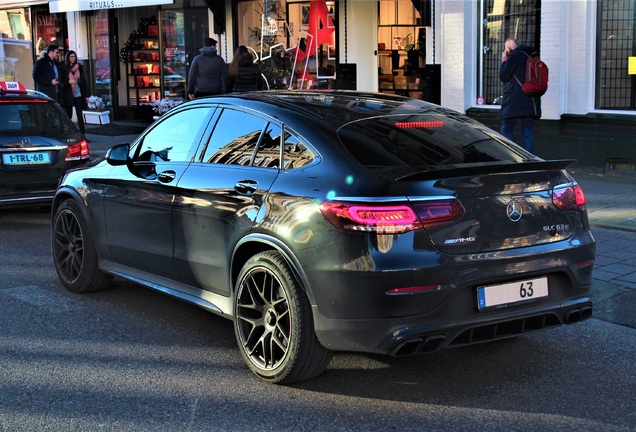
pixel 44 74
pixel 67 98
pixel 248 76
pixel 515 103
pixel 208 73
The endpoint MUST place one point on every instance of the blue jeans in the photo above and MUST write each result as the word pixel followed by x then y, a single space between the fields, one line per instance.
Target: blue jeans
pixel 527 133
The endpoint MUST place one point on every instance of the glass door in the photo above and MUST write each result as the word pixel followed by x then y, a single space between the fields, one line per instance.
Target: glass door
pixel 101 57
pixel 174 72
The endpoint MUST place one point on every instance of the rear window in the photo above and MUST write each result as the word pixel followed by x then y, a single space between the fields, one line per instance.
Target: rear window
pixel 425 141
pixel 34 118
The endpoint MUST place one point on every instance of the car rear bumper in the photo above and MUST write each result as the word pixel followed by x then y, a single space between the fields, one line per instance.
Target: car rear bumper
pixel 415 335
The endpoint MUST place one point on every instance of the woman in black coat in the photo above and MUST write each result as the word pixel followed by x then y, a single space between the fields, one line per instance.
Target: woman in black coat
pixel 243 74
pixel 74 89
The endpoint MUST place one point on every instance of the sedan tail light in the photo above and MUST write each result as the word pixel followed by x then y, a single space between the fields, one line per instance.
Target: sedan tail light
pixel 394 218
pixel 77 151
pixel 569 197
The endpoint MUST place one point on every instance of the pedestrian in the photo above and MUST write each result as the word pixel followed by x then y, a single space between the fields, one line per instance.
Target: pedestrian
pixel 74 88
pixel 46 74
pixel 243 74
pixel 516 106
pixel 208 73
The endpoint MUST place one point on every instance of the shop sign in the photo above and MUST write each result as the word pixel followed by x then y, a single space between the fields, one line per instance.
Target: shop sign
pixel 56 6
pixel 631 65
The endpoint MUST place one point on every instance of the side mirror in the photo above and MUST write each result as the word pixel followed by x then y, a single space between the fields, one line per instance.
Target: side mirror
pixel 118 155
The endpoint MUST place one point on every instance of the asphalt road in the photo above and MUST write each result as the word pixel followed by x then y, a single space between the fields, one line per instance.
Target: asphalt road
pixel 130 359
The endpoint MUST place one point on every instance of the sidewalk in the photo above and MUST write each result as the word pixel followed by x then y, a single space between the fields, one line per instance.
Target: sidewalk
pixel 611 207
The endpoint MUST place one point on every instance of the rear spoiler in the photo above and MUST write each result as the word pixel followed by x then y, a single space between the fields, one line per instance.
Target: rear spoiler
pixel 487 168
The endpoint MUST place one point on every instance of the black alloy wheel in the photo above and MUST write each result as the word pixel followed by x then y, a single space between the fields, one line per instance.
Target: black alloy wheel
pixel 74 251
pixel 273 323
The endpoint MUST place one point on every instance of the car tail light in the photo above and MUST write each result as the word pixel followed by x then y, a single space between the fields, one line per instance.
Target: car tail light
pixel 77 151
pixel 396 218
pixel 436 213
pixel 569 198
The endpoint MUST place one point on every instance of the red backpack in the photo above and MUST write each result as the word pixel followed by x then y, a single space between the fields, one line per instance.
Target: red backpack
pixel 536 83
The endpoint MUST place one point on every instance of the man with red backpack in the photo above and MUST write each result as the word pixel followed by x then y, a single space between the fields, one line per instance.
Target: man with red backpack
pixel 516 105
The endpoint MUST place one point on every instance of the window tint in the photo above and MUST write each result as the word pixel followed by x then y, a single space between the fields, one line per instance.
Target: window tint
pixel 34 118
pixel 173 138
pixel 424 141
pixel 296 153
pixel 234 138
pixel 268 151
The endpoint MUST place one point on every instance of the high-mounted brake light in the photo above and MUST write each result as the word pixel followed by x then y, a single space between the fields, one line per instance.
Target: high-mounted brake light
pixel 394 218
pixel 569 197
pixel 77 151
pixel 419 124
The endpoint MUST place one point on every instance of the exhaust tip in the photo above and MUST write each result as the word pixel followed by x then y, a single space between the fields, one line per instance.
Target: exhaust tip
pixel 407 348
pixel 418 345
pixel 578 315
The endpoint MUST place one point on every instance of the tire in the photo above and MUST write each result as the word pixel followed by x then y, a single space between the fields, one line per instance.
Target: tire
pixel 74 252
pixel 273 323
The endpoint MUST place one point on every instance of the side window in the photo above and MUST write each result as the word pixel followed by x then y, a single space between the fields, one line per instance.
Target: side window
pixel 268 151
pixel 296 154
pixel 173 137
pixel 234 139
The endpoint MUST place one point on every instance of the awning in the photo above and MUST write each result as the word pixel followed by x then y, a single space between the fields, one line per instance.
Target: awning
pixel 56 6
pixel 19 4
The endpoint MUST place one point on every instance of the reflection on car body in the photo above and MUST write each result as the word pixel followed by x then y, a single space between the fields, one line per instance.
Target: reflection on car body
pixel 333 221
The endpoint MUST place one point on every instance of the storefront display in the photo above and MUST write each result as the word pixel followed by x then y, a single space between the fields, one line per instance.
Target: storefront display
pixel 155 66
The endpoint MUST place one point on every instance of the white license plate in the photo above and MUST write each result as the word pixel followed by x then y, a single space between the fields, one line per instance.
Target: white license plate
pixel 513 292
pixel 34 158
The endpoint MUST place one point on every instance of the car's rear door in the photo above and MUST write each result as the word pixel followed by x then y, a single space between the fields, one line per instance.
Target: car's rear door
pixel 222 193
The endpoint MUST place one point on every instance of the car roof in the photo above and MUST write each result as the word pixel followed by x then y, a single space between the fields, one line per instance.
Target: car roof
pixel 335 106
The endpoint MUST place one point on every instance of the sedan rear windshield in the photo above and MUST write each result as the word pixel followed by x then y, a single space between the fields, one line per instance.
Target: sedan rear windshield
pixel 425 142
pixel 34 118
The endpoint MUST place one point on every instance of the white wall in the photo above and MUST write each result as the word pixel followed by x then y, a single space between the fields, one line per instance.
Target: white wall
pixel 555 40
pixel 362 40
pixel 453 47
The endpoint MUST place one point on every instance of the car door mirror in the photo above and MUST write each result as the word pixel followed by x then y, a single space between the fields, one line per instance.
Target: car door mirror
pixel 118 155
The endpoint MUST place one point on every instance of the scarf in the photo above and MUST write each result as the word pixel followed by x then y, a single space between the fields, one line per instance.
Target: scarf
pixel 73 77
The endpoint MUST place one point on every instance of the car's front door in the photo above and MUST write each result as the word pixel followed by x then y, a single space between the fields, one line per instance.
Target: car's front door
pixel 138 200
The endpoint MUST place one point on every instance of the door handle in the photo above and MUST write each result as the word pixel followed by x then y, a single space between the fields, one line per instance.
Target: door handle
pixel 246 187
pixel 166 176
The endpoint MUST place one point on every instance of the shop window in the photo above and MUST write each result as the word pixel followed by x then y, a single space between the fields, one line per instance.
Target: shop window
pixel 50 30
pixel 294 42
pixel 500 20
pixel 16 56
pixel 101 52
pixel 174 54
pixel 401 48
pixel 615 82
